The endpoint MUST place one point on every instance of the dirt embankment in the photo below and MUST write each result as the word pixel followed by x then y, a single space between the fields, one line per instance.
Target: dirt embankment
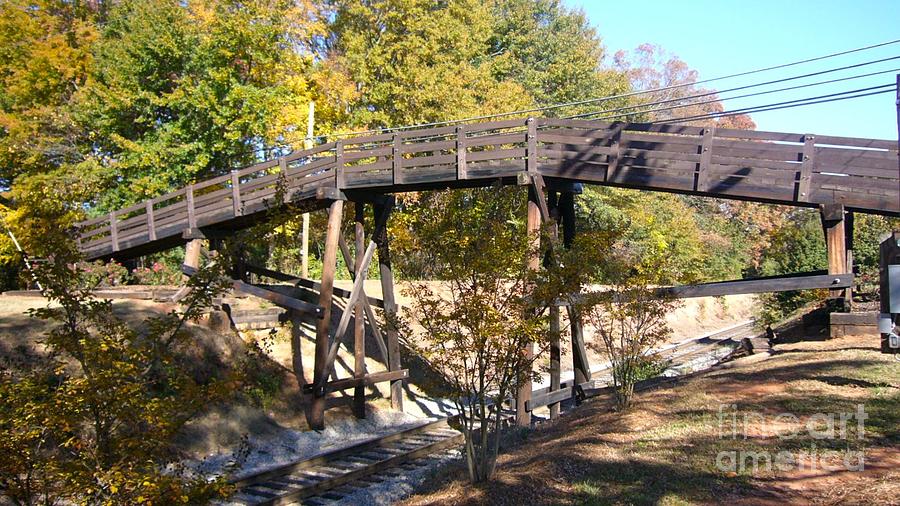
pixel 706 439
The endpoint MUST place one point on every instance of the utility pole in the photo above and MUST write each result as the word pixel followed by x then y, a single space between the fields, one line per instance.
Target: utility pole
pixel 304 233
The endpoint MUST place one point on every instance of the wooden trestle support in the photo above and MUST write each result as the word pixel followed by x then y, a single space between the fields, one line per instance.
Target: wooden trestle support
pixel 558 208
pixel 359 307
pixel 838 227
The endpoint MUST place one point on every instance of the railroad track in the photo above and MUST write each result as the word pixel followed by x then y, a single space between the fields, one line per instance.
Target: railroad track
pixel 329 476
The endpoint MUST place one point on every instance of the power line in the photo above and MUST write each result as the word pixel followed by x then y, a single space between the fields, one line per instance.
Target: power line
pixel 612 97
pixel 718 99
pixel 766 83
pixel 834 97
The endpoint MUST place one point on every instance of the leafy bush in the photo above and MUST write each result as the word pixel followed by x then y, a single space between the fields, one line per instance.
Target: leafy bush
pixel 159 273
pixel 94 425
pixel 101 274
pixel 798 246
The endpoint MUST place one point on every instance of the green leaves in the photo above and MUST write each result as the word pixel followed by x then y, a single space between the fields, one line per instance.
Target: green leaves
pixel 95 424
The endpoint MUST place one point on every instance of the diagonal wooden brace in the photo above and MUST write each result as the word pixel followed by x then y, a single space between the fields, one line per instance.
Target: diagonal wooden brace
pixel 355 295
pixel 370 314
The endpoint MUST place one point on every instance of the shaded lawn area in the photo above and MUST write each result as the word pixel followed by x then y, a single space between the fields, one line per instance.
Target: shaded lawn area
pixel 696 441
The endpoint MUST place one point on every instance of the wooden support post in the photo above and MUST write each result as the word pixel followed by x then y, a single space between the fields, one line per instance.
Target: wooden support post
pixel 533 229
pixel 359 331
pixel 236 205
pixel 339 164
pixel 315 414
pixel 151 223
pixel 192 254
pixel 849 220
pixel 191 211
pixel 380 236
pixel 555 356
pixel 555 352
pixel 835 244
pixel 461 153
pixel 706 144
pixel 114 231
pixel 580 362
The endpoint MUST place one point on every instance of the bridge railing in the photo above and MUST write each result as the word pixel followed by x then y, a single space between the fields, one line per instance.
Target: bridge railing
pixel 797 169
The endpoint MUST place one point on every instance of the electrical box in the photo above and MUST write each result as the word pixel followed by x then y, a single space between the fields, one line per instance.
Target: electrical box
pixel 894 287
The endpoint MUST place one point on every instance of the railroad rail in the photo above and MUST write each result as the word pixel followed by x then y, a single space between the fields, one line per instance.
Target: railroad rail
pixel 784 168
pixel 305 479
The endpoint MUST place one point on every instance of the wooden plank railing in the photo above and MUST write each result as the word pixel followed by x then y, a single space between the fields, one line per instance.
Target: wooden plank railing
pixel 786 168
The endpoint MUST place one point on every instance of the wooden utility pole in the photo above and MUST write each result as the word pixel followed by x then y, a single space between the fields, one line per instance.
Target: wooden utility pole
pixel 304 232
pixel 359 331
pixel 315 415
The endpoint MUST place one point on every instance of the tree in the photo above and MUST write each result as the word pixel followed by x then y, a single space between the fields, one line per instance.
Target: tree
pixel 554 53
pixel 95 422
pixel 650 67
pixel 415 61
pixel 478 322
pixel 628 314
pixel 654 225
pixel 181 91
pixel 45 57
pixel 797 246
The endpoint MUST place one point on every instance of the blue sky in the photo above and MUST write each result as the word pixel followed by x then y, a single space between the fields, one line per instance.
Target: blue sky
pixel 718 38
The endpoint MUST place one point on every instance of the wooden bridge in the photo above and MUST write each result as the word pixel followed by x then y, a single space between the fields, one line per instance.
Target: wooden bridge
pixel 839 175
pixel 795 169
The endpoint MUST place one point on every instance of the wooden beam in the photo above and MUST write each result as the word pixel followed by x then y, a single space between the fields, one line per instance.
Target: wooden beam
pixel 552 398
pixel 366 380
pixel 274 297
pixel 461 153
pixel 804 281
pixel 835 243
pixel 351 302
pixel 191 211
pixel 308 283
pixel 236 206
pixel 533 231
pixel 580 363
pixel 316 412
pixel 359 331
pixel 151 225
pixel 537 183
pixel 380 236
pixel 278 299
pixel 370 314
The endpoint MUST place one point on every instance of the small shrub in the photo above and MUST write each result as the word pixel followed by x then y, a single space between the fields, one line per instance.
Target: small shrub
pixel 99 274
pixel 159 273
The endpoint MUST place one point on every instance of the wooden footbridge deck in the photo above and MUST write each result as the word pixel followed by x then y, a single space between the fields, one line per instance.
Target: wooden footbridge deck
pixel 839 175
pixel 783 168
